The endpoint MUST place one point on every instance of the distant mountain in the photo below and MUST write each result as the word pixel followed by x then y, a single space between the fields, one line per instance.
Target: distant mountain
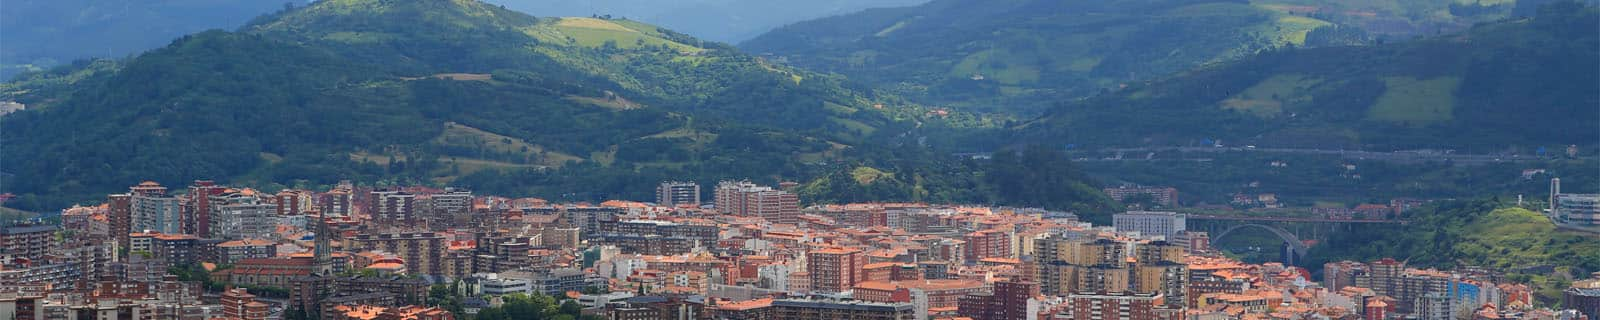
pixel 716 20
pixel 1017 56
pixel 1518 84
pixel 43 33
pixel 450 92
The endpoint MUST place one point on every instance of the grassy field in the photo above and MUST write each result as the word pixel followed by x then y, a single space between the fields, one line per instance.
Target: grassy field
pixel 838 108
pixel 615 102
pixel 999 65
pixel 461 135
pixel 456 77
pixel 891 29
pixel 359 37
pixel 1286 28
pixel 1293 29
pixel 1084 64
pixel 9 214
pixel 866 175
pixel 861 128
pixel 605 158
pixel 590 32
pixel 270 158
pixel 1516 238
pixel 1268 98
pixel 1416 101
pixel 821 156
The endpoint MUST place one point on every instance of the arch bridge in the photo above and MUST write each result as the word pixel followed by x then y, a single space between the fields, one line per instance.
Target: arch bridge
pixel 1297 248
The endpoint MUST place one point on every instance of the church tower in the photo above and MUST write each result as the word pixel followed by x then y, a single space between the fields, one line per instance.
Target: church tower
pixel 322 258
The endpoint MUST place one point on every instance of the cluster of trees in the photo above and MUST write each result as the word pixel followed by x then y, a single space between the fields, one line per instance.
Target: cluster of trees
pixel 535 307
pixel 1025 177
pixel 1336 35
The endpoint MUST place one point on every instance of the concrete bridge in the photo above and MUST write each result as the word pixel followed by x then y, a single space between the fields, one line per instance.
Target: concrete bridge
pixel 1292 230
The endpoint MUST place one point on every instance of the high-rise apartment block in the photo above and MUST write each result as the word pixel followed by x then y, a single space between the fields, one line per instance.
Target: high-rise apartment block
pixel 747 199
pixel 1151 223
pixel 197 209
pixel 674 194
pixel 392 206
pixel 26 241
pixel 241 214
pixel 1065 265
pixel 1010 300
pixel 834 270
pixel 1161 196
pixel 423 252
pixel 154 210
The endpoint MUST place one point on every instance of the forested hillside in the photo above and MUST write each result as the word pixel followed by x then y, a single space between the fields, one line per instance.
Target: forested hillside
pixel 1517 84
pixel 446 92
pixel 1017 56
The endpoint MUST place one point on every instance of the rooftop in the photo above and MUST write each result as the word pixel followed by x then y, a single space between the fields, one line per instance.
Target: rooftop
pixel 745 305
pixel 27 229
pixel 246 243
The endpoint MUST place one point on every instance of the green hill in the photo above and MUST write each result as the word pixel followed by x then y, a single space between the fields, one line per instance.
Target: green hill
pixel 449 92
pixel 1018 55
pixel 634 61
pixel 425 91
pixel 1516 84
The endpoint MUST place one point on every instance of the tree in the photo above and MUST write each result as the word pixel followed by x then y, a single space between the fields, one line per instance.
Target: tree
pixel 1044 177
pixel 492 314
pixel 572 308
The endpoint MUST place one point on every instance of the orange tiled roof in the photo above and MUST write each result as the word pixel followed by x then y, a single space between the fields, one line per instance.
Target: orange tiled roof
pixel 745 305
pixel 386 266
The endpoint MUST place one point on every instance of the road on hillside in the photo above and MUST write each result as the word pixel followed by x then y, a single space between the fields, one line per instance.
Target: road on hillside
pixel 1141 154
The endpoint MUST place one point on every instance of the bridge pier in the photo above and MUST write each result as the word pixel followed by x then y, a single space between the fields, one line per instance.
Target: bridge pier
pixel 1293 249
pixel 1290 256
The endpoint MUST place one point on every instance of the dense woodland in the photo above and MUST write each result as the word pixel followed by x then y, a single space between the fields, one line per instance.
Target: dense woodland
pixel 1019 57
pixel 1518 84
pixel 343 90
